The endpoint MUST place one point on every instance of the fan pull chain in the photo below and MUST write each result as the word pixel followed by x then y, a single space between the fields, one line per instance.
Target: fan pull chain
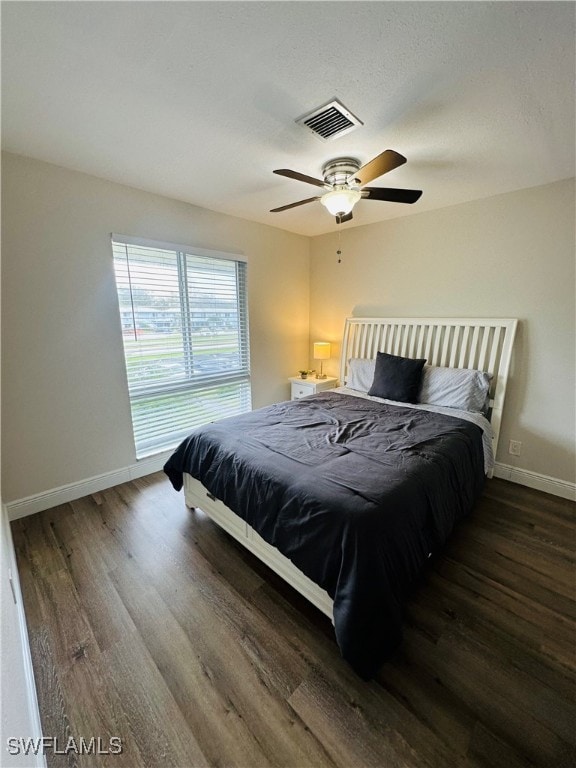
pixel 338 251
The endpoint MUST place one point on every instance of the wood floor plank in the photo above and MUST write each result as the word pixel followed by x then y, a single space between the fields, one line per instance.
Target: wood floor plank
pixel 223 588
pixel 488 751
pixel 54 706
pixel 546 519
pixel 196 531
pixel 154 720
pixel 528 499
pixel 229 651
pixel 84 703
pixel 366 729
pixel 105 612
pixel 63 614
pixel 453 604
pixel 431 703
pixel 219 690
pixel 223 649
pixel 488 690
pixel 349 738
pixel 94 533
pixel 540 626
pixel 94 710
pixel 35 535
pixel 502 563
pixel 535 555
pixel 148 622
pixel 307 632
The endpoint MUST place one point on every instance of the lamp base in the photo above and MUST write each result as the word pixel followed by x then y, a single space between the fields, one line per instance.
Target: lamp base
pixel 321 375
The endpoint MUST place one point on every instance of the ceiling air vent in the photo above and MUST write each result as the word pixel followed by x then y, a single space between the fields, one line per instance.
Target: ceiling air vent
pixel 330 121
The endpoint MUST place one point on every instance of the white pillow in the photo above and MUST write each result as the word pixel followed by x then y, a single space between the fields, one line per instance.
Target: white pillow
pixel 360 374
pixel 460 388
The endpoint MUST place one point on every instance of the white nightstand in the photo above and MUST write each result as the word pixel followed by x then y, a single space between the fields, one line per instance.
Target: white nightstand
pixel 310 386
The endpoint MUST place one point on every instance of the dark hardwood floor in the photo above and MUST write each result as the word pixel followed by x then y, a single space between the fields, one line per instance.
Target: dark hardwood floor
pixel 148 623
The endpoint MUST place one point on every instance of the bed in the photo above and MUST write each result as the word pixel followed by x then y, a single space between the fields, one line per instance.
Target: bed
pixel 347 493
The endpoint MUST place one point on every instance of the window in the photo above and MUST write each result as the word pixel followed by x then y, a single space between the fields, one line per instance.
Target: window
pixel 185 332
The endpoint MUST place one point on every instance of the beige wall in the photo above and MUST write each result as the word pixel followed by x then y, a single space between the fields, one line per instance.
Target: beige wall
pixel 66 414
pixel 512 255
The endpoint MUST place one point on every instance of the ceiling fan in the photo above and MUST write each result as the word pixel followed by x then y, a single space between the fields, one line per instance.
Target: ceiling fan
pixel 344 182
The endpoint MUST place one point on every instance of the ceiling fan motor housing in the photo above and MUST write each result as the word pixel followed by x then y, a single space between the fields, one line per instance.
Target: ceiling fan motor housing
pixel 340 170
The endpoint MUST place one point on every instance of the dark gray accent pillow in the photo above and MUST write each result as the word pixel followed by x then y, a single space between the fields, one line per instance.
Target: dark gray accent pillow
pixel 397 378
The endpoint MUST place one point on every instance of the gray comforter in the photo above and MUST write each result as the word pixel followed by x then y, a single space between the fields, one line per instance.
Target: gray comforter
pixel 356 493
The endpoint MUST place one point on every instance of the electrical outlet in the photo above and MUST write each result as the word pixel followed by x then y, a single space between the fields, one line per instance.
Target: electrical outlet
pixel 515 447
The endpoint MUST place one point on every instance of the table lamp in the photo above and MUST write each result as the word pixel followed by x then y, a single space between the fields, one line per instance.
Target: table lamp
pixel 321 352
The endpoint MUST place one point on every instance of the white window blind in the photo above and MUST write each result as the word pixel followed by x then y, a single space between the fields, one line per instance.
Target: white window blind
pixel 185 331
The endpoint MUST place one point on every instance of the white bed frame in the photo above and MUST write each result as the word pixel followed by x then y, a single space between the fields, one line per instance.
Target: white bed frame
pixel 482 344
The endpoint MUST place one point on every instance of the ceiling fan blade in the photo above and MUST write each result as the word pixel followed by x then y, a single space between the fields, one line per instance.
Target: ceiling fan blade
pixel 299 177
pixel 392 195
pixel 342 217
pixel 386 161
pixel 293 205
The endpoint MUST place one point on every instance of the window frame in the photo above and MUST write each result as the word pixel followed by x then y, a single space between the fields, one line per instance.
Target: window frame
pixel 193 381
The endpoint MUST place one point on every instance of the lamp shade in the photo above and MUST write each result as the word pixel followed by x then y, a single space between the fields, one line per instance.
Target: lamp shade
pixel 321 350
pixel 340 200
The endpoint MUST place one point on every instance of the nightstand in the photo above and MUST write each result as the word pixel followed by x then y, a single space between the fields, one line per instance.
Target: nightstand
pixel 310 386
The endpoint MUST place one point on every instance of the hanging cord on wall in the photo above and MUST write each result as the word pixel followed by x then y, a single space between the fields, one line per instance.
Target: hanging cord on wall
pixel 131 295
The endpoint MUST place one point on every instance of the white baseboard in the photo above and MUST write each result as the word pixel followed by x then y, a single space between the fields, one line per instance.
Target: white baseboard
pixel 552 485
pixel 41 501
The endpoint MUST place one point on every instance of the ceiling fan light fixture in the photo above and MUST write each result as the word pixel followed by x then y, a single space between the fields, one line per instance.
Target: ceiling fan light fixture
pixel 340 201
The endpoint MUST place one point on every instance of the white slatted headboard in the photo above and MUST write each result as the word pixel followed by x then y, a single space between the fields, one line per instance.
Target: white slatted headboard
pixel 484 344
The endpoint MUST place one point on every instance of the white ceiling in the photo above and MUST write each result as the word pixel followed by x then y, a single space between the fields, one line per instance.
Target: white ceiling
pixel 197 100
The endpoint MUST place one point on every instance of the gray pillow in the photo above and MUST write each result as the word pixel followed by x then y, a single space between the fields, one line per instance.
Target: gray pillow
pixel 360 373
pixel 460 388
pixel 397 378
